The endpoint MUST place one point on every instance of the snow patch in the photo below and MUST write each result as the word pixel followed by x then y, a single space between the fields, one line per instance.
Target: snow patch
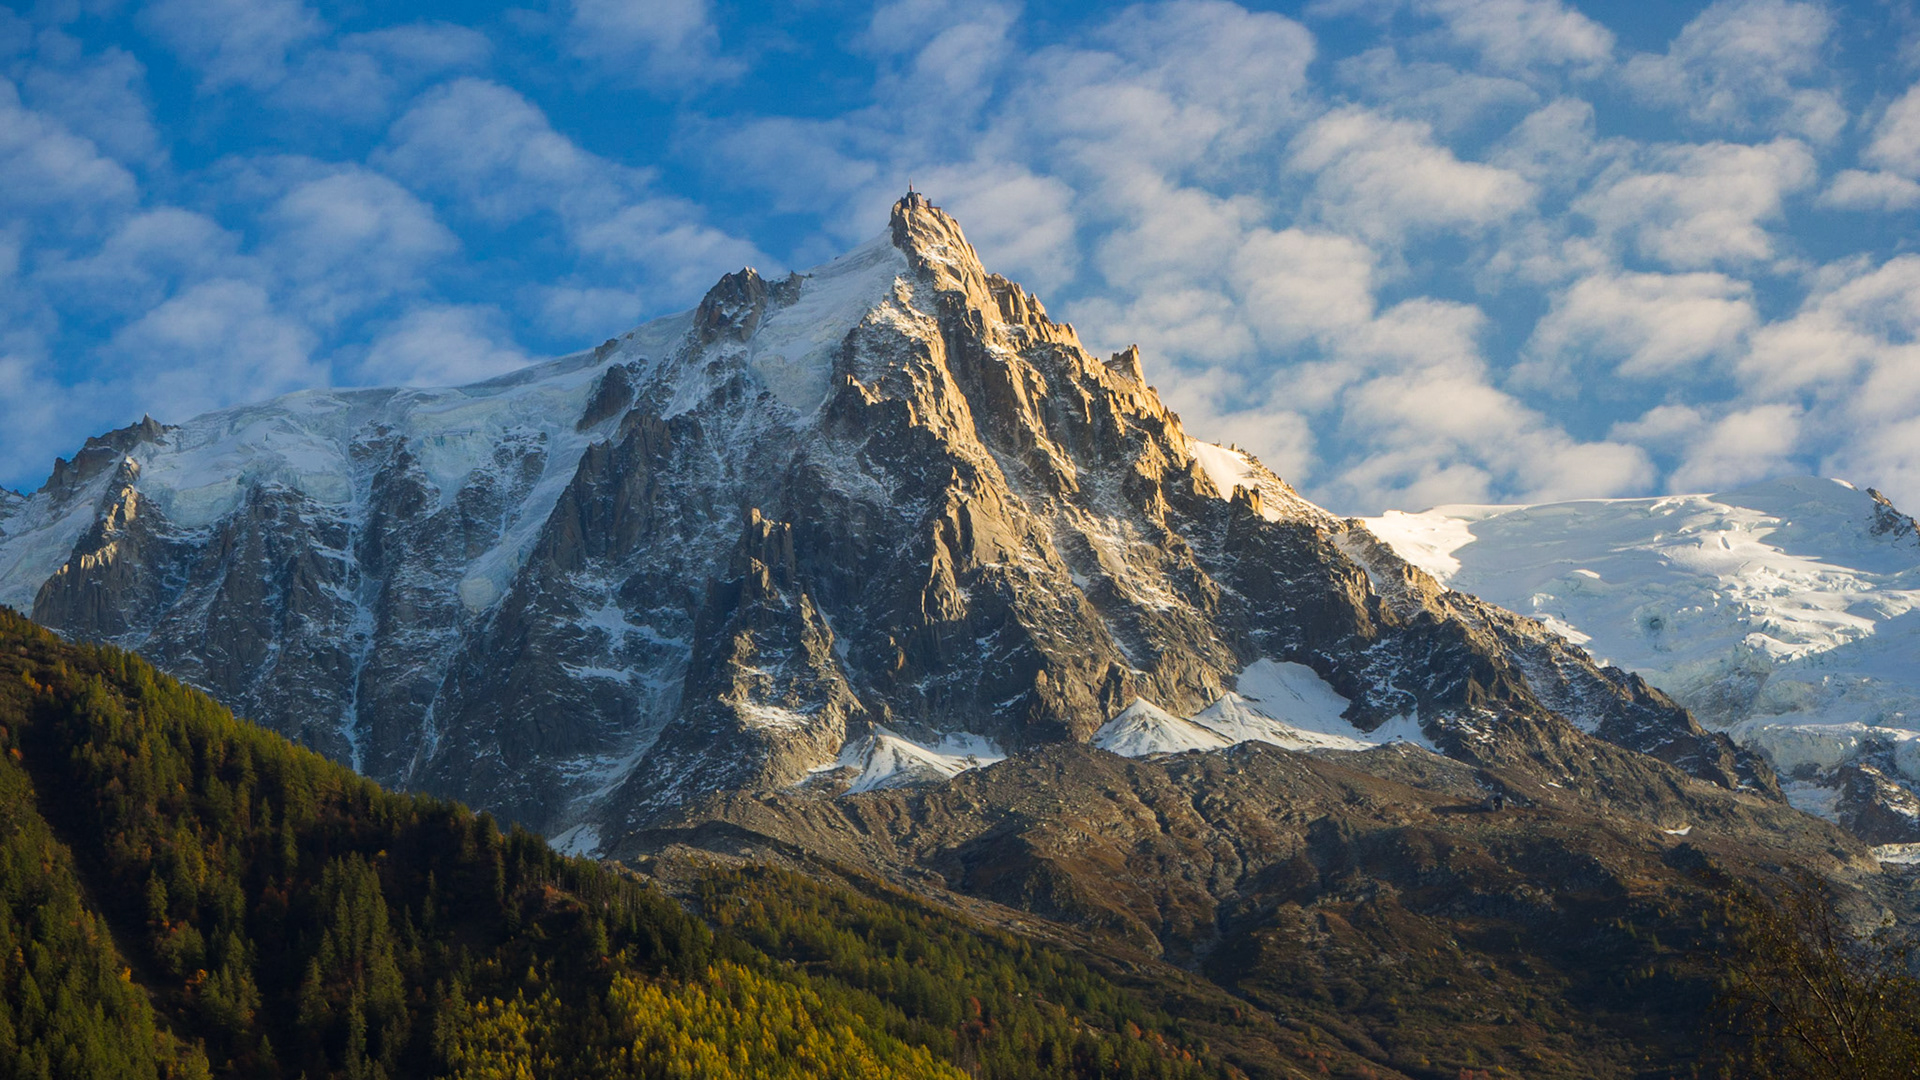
pixel 1820 801
pixel 1301 699
pixel 1283 704
pixel 1227 469
pixel 1237 720
pixel 887 759
pixel 580 840
pixel 1143 728
pixel 791 352
pixel 40 537
pixel 1898 854
pixel 1427 540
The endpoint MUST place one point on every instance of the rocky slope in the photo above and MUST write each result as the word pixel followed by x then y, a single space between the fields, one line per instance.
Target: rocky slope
pixel 1368 894
pixel 743 547
pixel 1786 614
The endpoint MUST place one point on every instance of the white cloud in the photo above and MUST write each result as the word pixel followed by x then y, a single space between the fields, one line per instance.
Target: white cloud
pixel 102 97
pixel 1196 326
pixel 1748 65
pixel 1022 224
pixel 1556 145
pixel 150 255
pixel 1889 460
pixel 658 43
pixel 1450 100
pixel 1856 189
pixel 494 152
pixel 663 238
pixel 1851 341
pixel 1896 138
pixel 1428 427
pixel 498 158
pixel 1751 444
pixel 42 164
pixel 217 343
pixel 359 77
pixel 1646 326
pixel 953 50
pixel 30 413
pixel 1696 206
pixel 233 42
pixel 351 239
pixel 584 312
pixel 1385 178
pixel 1297 285
pixel 1172 91
pixel 443 345
pixel 1512 35
pixel 1167 236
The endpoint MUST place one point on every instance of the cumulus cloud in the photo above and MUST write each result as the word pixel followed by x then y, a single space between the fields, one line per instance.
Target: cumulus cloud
pixel 496 156
pixel 659 43
pixel 1853 340
pixel 1748 65
pixel 1857 189
pixel 1556 146
pixel 1645 326
pixel 952 50
pixel 1299 286
pixel 30 412
pixel 1741 447
pixel 1695 206
pixel 1385 178
pixel 443 345
pixel 149 256
pixel 43 164
pixel 1896 138
pixel 350 239
pixel 1513 35
pixel 1425 257
pixel 1024 219
pixel 219 342
pixel 1448 99
pixel 1431 427
pixel 358 78
pixel 242 43
pixel 101 96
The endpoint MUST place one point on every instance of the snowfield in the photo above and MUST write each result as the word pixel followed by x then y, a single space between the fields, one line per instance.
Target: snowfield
pixel 1777 612
pixel 1281 703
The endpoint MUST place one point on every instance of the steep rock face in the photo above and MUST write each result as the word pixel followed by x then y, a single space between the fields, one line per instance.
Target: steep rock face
pixel 890 492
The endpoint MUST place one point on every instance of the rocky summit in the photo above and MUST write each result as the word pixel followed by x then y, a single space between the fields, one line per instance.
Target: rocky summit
pixel 876 524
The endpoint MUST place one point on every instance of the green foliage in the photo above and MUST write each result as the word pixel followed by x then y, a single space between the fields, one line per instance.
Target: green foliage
pixel 991 1001
pixel 1802 997
pixel 185 895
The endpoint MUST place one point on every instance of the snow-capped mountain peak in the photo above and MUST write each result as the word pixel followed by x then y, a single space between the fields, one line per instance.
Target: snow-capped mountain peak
pixel 850 519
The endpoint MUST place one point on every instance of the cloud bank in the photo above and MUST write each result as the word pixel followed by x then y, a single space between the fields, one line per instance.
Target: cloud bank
pixel 1407 251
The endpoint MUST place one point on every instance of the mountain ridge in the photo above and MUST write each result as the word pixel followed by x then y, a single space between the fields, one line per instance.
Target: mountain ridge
pixel 707 555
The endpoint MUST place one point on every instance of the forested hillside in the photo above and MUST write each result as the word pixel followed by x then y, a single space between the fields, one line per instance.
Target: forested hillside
pixel 185 895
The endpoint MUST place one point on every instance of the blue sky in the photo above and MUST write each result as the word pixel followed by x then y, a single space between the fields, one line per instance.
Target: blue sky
pixel 1408 251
